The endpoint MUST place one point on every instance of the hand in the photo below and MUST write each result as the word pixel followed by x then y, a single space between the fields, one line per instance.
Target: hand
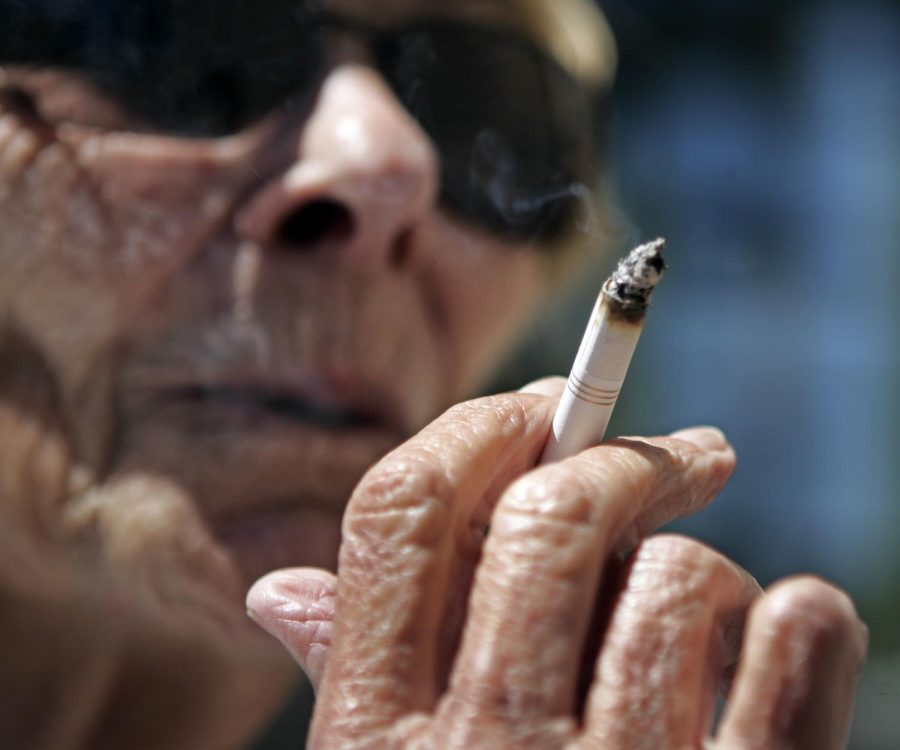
pixel 541 635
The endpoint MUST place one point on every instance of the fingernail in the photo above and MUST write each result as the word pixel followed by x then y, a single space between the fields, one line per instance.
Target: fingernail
pixel 708 438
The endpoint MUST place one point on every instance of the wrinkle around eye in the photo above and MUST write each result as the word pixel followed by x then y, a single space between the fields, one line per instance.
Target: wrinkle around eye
pixel 65 97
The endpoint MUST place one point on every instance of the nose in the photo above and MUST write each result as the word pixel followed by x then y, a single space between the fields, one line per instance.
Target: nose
pixel 361 178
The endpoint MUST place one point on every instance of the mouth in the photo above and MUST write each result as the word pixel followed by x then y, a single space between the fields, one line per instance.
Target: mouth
pixel 281 404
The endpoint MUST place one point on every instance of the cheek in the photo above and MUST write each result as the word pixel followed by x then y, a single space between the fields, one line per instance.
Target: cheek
pixel 91 228
pixel 491 292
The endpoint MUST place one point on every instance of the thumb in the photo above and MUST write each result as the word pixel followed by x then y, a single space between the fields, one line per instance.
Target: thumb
pixel 296 605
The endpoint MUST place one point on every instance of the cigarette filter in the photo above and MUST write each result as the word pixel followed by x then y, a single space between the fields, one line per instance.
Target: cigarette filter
pixel 605 353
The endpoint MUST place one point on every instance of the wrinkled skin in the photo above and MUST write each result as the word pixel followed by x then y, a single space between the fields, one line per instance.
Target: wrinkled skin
pixel 138 269
pixel 564 643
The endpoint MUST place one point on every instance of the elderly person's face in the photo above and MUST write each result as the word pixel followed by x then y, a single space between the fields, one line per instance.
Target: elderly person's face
pixel 253 312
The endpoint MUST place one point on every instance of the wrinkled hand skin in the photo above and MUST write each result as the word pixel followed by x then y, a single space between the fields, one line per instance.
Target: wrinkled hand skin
pixel 543 635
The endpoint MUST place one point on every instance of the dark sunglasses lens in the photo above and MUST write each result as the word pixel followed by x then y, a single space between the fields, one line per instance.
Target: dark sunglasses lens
pixel 515 133
pixel 199 68
pixel 513 130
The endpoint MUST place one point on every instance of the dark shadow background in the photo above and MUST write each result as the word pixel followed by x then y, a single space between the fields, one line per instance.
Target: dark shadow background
pixel 763 140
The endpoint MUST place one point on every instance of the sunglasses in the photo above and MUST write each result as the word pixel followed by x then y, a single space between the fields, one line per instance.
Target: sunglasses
pixel 519 139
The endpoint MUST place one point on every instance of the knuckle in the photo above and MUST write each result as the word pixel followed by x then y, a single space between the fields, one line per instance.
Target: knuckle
pixel 556 494
pixel 481 716
pixel 395 480
pixel 670 573
pixel 676 555
pixel 546 525
pixel 406 497
pixel 504 413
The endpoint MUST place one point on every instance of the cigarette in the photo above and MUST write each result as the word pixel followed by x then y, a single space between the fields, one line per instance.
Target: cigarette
pixel 609 342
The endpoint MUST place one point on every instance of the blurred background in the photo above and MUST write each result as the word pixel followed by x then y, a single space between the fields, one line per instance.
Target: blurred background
pixel 763 140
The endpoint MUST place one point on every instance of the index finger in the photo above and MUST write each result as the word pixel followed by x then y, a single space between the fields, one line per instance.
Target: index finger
pixel 423 504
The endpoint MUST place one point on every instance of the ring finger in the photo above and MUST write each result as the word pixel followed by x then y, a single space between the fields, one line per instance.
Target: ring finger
pixel 673 629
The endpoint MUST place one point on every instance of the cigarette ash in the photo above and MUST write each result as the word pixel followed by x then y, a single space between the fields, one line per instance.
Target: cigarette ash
pixel 636 276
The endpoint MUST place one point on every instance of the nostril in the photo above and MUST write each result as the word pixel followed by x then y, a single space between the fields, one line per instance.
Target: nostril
pixel 315 222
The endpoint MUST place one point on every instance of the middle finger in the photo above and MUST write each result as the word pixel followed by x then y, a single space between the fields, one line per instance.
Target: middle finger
pixel 407 521
pixel 535 589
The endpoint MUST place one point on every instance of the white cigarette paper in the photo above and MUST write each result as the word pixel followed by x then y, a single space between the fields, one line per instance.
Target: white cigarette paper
pixel 606 349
